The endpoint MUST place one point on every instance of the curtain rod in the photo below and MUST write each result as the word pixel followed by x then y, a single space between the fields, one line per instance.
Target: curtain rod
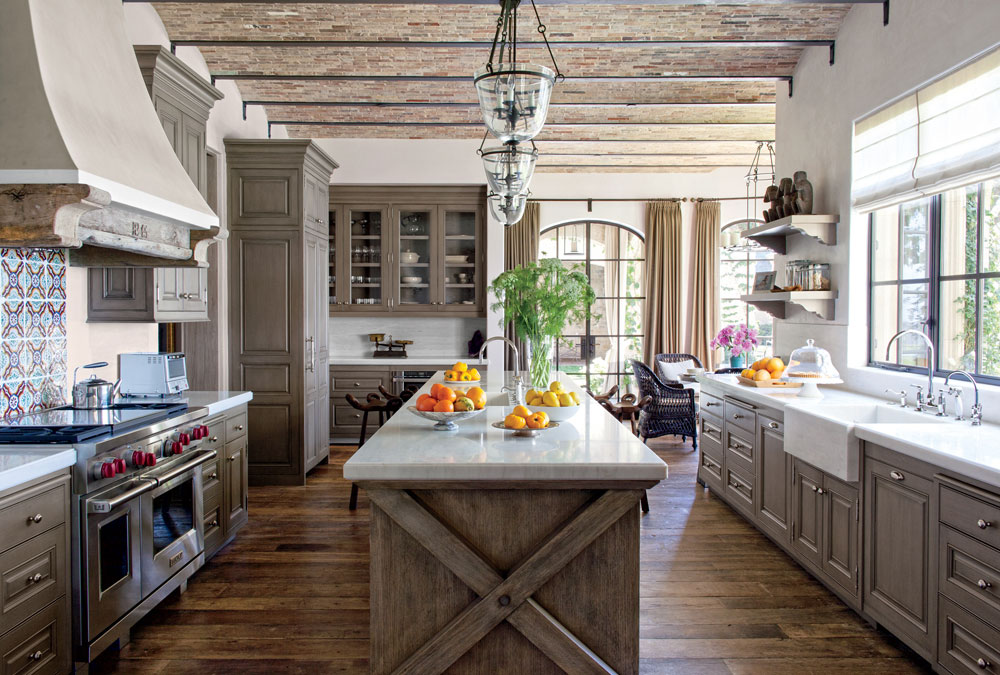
pixel 639 199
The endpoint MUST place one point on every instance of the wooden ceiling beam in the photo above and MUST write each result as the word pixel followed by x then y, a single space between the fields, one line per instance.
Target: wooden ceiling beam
pixel 709 3
pixel 477 44
pixel 275 77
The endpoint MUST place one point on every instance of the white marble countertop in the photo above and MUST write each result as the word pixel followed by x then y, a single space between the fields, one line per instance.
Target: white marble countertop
pixel 590 446
pixel 215 401
pixel 413 361
pixel 19 464
pixel 952 445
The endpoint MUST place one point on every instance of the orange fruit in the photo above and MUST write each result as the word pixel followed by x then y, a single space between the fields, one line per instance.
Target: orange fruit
pixel 762 376
pixel 538 420
pixel 513 421
pixel 426 404
pixel 444 406
pixel 478 397
pixel 436 389
pixel 446 394
pixel 521 411
pixel 775 365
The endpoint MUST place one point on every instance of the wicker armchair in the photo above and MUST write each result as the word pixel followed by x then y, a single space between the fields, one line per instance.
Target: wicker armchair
pixel 672 411
pixel 673 358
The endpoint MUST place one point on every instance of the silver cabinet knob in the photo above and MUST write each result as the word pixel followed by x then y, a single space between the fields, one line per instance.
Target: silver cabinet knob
pixel 215 523
pixel 234 458
pixel 983 584
pixel 895 475
pixel 815 488
pixel 37 518
pixel 982 524
pixel 35 578
pixel 214 476
pixel 37 656
pixel 711 404
pixel 773 425
pixel 737 416
pixel 214 439
pixel 982 663
pixel 820 491
pixel 238 427
pixel 357 384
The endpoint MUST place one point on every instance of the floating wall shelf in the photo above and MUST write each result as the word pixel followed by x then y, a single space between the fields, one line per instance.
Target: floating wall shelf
pixel 820 303
pixel 822 228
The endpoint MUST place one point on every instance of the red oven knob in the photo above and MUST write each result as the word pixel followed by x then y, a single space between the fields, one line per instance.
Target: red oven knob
pixel 150 459
pixel 120 465
pixel 196 433
pixel 108 470
pixel 184 439
pixel 176 447
pixel 138 458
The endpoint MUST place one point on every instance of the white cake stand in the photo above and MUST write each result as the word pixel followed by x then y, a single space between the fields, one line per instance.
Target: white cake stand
pixel 809 385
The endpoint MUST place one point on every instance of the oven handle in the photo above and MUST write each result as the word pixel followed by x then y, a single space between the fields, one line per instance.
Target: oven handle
pixel 109 505
pixel 184 468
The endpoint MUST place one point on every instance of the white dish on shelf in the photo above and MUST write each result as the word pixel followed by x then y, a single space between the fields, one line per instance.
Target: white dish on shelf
pixel 457 259
pixel 409 257
pixel 411 280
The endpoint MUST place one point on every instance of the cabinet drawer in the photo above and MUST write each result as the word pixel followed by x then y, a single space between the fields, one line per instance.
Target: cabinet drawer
pixel 236 427
pixel 969 574
pixel 968 513
pixel 26 514
pixel 31 576
pixel 346 416
pixel 364 382
pixel 740 452
pixel 966 644
pixel 711 405
pixel 711 438
pixel 710 470
pixel 214 534
pixel 741 416
pixel 39 646
pixel 739 489
pixel 216 433
pixel 211 483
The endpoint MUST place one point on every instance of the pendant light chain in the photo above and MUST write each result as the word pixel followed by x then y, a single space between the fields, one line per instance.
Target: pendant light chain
pixel 541 29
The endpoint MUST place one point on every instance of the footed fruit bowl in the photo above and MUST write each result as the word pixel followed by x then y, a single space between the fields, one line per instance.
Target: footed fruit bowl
pixel 445 420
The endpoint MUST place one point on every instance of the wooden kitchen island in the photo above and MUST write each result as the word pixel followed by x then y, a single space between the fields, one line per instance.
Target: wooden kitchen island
pixel 496 554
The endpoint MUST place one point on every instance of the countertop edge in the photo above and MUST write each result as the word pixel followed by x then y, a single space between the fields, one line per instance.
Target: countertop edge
pixel 11 478
pixel 512 473
pixel 225 400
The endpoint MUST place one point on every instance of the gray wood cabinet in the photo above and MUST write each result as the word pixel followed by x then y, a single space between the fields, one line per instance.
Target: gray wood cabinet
pixel 841 542
pixel 35 576
pixel 807 512
pixel 417 250
pixel 278 298
pixel 773 478
pixel 182 100
pixel 900 542
pixel 224 480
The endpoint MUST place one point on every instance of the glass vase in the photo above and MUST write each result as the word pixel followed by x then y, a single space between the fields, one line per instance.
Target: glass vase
pixel 540 362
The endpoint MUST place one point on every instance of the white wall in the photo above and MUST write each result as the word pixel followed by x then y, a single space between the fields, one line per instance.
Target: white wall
pixel 875 64
pixel 104 341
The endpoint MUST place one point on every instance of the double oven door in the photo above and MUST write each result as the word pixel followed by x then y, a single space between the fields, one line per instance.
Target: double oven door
pixel 137 536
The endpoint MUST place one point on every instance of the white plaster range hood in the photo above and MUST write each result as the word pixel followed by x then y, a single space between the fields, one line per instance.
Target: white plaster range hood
pixel 84 162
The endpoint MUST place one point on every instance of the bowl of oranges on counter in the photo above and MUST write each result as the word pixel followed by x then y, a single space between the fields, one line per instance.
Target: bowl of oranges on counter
pixel 766 373
pixel 446 405
pixel 525 422
pixel 556 402
pixel 460 372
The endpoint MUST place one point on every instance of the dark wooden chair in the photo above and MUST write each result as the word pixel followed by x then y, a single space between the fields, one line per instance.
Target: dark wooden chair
pixel 385 408
pixel 671 411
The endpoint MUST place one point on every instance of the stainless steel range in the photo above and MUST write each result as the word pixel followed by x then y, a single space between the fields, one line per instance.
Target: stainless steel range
pixel 137 509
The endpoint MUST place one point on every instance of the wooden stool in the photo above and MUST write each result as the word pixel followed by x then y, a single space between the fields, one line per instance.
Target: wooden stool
pixel 385 410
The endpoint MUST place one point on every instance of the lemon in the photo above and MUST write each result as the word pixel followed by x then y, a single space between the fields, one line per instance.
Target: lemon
pixel 461 367
pixel 565 400
pixel 535 401
pixel 556 387
pixel 533 393
pixel 576 398
pixel 550 399
pixel 521 411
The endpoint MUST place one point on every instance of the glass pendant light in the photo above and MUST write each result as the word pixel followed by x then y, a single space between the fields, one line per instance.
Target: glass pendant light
pixel 514 99
pixel 508 210
pixel 509 169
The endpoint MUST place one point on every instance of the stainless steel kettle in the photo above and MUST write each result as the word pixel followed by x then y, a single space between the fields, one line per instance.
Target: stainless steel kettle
pixel 94 392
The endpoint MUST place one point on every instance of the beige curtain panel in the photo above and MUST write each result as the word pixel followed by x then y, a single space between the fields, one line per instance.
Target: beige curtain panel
pixel 662 313
pixel 520 246
pixel 705 296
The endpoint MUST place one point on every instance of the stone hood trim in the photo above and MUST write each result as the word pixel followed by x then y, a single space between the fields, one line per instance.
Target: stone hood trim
pixel 84 162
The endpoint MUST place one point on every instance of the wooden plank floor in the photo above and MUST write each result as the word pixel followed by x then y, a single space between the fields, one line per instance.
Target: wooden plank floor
pixel 290 595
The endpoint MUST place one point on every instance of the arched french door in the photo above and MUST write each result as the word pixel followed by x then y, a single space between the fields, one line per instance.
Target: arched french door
pixel 596 353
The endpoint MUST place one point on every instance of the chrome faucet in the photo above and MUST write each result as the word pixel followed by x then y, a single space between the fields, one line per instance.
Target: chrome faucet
pixel 515 392
pixel 922 399
pixel 977 408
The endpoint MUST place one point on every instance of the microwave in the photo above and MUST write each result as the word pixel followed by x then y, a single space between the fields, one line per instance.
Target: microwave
pixel 152 373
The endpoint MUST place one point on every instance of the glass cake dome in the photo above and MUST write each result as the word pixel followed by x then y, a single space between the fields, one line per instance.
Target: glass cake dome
pixel 810 362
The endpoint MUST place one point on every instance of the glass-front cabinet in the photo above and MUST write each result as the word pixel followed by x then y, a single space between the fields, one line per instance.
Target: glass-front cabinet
pixel 408 256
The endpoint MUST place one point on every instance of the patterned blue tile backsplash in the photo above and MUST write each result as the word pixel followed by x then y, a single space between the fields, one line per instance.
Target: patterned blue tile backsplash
pixel 32 329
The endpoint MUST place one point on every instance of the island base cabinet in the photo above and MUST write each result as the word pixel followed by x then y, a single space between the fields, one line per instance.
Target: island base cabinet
pixel 807 512
pixel 841 518
pixel 540 580
pixel 710 469
pixel 774 467
pixel 224 479
pixel 900 526
pixel 966 644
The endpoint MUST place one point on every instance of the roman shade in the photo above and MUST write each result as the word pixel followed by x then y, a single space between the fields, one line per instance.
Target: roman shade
pixel 944 135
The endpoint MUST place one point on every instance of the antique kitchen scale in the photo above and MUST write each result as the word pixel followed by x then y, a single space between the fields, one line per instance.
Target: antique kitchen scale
pixel 386 347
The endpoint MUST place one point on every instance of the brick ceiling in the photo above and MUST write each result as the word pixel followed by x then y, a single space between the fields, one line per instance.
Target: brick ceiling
pixel 657 87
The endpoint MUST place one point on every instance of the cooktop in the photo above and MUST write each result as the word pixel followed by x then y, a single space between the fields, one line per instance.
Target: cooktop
pixel 68 425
